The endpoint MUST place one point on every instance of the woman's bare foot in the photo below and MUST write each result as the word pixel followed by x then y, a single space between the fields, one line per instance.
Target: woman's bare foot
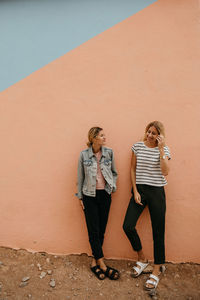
pixel 97 270
pixel 112 273
pixel 143 260
pixel 157 270
pixel 93 263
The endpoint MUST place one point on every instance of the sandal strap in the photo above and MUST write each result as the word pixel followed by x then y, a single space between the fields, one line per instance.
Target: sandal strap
pixel 136 269
pixel 112 274
pixel 142 267
pixel 154 277
pixel 141 264
pixel 154 283
pixel 107 272
pixel 97 271
pixel 95 268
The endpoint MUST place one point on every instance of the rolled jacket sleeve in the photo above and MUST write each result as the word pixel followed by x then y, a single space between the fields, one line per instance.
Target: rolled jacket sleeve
pixel 114 172
pixel 81 177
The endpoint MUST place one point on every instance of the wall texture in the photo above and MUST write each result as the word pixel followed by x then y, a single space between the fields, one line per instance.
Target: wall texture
pixel 142 69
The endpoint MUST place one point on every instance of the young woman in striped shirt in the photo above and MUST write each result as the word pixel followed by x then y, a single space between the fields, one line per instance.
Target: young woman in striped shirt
pixel 149 166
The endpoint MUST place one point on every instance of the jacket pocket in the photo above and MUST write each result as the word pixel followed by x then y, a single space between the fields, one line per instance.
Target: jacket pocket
pixel 107 162
pixel 87 162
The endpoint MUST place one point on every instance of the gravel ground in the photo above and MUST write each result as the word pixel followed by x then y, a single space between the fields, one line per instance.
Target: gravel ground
pixel 25 275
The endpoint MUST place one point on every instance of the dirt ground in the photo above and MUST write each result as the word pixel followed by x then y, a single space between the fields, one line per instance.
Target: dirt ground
pixel 25 275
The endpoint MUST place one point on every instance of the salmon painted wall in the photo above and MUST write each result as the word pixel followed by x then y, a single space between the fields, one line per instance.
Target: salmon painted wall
pixel 141 69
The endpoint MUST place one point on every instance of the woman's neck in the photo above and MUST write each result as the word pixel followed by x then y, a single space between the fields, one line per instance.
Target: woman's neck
pixel 150 145
pixel 96 148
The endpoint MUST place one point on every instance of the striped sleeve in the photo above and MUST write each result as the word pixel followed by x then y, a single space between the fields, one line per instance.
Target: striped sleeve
pixel 134 149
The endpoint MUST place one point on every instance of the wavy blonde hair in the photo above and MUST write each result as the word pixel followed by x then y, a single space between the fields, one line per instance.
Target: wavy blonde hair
pixel 159 127
pixel 92 133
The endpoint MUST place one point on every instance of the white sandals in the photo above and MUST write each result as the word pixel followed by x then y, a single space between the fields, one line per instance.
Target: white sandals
pixel 154 282
pixel 139 268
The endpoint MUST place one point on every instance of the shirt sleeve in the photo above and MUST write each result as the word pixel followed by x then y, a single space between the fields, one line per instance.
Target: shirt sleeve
pixel 134 149
pixel 167 152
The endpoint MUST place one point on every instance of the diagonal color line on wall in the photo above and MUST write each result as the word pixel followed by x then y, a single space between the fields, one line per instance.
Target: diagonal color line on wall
pixel 35 32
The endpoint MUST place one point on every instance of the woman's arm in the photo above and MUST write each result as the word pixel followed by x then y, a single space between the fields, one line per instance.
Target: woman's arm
pixel 164 162
pixel 114 172
pixel 81 177
pixel 137 196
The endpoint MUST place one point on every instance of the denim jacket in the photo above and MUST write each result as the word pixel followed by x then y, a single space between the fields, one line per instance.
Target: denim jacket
pixel 87 172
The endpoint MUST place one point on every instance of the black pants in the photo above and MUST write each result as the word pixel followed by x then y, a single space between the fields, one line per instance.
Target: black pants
pixel 154 198
pixel 96 215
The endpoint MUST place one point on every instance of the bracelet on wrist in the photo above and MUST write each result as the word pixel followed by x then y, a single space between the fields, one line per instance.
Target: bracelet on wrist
pixel 162 157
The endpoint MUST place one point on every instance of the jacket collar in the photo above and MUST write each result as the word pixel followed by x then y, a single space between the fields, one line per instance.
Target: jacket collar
pixel 103 151
pixel 91 153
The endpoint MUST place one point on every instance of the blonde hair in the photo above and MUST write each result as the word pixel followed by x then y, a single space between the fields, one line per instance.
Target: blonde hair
pixel 159 127
pixel 92 133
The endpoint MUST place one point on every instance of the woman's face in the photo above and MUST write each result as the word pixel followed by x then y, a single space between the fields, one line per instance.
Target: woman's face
pixel 100 139
pixel 152 135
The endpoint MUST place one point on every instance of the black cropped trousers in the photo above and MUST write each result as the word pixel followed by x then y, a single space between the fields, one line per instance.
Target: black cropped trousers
pixel 96 214
pixel 154 198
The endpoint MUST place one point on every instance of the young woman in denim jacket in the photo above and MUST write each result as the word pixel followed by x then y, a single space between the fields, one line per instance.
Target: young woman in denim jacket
pixel 149 166
pixel 96 181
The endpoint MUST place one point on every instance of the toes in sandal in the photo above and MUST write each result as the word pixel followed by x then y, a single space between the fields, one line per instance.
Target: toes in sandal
pixel 139 268
pixel 154 283
pixel 98 272
pixel 111 273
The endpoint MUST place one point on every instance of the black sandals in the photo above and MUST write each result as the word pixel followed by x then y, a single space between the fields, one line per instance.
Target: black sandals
pixel 98 272
pixel 111 273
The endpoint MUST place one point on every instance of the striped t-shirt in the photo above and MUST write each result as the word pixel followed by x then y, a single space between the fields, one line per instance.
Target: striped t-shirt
pixel 148 169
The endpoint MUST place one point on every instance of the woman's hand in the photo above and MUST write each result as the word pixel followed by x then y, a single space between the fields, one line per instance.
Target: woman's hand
pixel 161 141
pixel 137 198
pixel 81 204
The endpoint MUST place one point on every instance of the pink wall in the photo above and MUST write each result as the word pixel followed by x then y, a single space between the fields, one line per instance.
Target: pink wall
pixel 142 69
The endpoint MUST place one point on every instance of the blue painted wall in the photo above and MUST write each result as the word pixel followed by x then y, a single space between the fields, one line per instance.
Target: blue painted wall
pixel 35 32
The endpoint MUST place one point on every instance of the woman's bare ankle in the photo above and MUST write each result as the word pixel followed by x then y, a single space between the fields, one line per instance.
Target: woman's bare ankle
pixel 141 256
pixel 93 263
pixel 101 263
pixel 156 270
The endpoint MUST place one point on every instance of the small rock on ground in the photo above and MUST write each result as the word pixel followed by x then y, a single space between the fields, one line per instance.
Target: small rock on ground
pixel 43 274
pixel 52 283
pixel 23 284
pixel 24 279
pixel 39 267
